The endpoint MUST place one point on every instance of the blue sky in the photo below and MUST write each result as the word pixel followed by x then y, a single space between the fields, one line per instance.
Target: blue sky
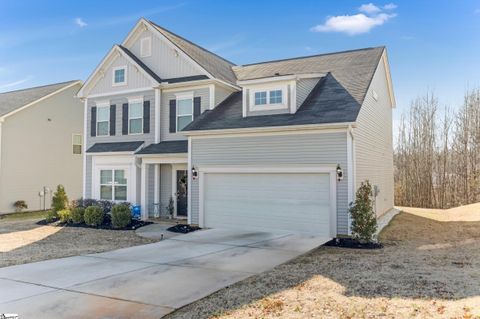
pixel 432 45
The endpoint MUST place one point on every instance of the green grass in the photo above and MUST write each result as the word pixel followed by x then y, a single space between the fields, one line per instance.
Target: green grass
pixel 24 215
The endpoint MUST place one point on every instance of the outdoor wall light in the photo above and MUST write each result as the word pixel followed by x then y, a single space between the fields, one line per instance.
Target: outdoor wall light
pixel 194 173
pixel 339 173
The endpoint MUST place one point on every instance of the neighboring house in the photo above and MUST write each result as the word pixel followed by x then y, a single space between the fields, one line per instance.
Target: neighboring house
pixel 258 145
pixel 41 131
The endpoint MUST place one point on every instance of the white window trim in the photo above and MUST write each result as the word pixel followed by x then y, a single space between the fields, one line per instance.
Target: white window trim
pixel 124 67
pixel 179 97
pixel 131 101
pixel 144 40
pixel 107 106
pixel 81 143
pixel 113 184
pixel 269 106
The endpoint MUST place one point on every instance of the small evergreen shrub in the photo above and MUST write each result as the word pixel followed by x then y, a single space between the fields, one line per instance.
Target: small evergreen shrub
pixel 77 215
pixel 60 199
pixel 170 207
pixel 65 216
pixel 121 216
pixel 364 221
pixel 20 205
pixel 51 216
pixel 94 216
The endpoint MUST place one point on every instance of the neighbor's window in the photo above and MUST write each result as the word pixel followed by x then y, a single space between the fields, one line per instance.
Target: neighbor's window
pixel 135 117
pixel 77 143
pixel 103 120
pixel 113 185
pixel 146 47
pixel 184 113
pixel 260 98
pixel 119 76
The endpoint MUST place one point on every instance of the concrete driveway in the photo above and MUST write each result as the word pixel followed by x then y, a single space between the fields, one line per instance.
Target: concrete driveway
pixel 146 281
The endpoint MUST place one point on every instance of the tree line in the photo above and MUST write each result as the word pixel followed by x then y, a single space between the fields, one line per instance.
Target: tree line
pixel 437 154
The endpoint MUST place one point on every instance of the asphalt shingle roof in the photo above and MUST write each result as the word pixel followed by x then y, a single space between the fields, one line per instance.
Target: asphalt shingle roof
pixel 167 147
pixel 336 98
pixel 10 101
pixel 114 147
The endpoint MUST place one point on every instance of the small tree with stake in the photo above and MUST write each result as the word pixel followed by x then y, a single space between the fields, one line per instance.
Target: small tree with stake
pixel 60 199
pixel 364 221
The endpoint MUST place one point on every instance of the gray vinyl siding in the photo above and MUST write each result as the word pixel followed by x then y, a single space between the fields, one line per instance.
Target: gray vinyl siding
pixel 165 186
pixel 88 177
pixel 163 61
pixel 314 149
pixel 304 87
pixel 221 94
pixel 373 142
pixel 203 93
pixel 135 78
pixel 118 100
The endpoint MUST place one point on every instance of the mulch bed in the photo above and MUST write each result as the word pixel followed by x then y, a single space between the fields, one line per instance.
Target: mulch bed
pixel 183 228
pixel 352 243
pixel 135 224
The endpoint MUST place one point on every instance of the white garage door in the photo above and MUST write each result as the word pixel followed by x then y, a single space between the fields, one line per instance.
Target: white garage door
pixel 297 202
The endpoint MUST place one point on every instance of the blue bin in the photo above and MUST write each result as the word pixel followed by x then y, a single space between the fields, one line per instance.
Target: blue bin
pixel 136 212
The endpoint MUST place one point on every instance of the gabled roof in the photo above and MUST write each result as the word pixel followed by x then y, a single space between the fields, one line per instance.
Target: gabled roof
pixel 15 100
pixel 336 98
pixel 217 66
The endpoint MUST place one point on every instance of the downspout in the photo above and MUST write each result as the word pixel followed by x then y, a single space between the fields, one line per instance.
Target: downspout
pixel 351 172
pixel 85 120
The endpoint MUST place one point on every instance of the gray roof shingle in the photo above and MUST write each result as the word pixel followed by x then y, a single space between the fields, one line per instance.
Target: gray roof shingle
pixel 115 147
pixel 10 101
pixel 167 147
pixel 336 98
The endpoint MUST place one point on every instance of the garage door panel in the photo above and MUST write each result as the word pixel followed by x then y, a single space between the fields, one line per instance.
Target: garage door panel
pixel 269 201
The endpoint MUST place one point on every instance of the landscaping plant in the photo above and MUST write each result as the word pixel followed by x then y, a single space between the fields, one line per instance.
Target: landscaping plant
pixel 77 215
pixel 364 221
pixel 20 205
pixel 94 216
pixel 60 199
pixel 65 215
pixel 170 207
pixel 121 216
pixel 51 216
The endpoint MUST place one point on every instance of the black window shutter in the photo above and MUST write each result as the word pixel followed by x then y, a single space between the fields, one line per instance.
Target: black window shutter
pixel 197 108
pixel 113 112
pixel 173 116
pixel 146 116
pixel 125 119
pixel 93 122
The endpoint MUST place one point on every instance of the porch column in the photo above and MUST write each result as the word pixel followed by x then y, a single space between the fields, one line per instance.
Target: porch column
pixel 143 191
pixel 156 187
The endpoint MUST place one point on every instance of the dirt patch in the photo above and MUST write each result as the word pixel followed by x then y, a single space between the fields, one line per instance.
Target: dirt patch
pixel 427 269
pixel 48 242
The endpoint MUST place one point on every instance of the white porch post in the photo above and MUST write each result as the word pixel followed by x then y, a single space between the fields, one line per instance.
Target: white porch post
pixel 143 190
pixel 156 187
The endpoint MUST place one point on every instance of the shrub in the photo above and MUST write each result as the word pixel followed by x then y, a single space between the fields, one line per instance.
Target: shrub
pixel 364 221
pixel 60 199
pixel 106 205
pixel 65 215
pixel 170 207
pixel 20 205
pixel 94 216
pixel 51 216
pixel 121 216
pixel 77 215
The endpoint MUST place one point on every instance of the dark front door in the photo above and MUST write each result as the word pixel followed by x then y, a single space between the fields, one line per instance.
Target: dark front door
pixel 182 187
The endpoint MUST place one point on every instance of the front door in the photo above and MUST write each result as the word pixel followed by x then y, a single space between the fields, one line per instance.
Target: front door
pixel 182 178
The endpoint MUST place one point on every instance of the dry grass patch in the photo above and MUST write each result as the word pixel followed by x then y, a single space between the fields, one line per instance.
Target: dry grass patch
pixel 428 269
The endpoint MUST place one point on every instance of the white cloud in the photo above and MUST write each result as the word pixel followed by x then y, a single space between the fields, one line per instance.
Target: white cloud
pixel 369 8
pixel 352 24
pixel 15 83
pixel 390 6
pixel 80 22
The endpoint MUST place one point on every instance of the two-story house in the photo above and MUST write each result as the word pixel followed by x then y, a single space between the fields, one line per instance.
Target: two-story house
pixel 278 145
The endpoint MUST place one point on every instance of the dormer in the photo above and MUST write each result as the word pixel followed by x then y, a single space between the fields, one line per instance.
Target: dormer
pixel 279 94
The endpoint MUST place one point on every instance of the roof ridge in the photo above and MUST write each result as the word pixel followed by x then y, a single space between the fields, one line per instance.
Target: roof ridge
pixel 309 56
pixel 192 43
pixel 39 86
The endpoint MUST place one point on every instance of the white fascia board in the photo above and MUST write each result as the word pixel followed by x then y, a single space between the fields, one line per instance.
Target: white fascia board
pixel 389 79
pixel 110 153
pixel 281 78
pixel 166 155
pixel 166 87
pixel 40 99
pixel 93 96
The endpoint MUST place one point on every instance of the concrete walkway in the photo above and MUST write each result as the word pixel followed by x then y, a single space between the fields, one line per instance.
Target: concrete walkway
pixel 146 281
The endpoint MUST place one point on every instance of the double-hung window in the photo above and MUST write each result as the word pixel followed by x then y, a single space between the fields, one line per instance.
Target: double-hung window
pixel 113 185
pixel 77 143
pixel 103 120
pixel 119 76
pixel 184 112
pixel 135 117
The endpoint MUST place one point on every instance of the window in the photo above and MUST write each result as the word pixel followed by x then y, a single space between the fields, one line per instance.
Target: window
pixel 135 117
pixel 271 98
pixel 260 98
pixel 113 185
pixel 103 120
pixel 276 97
pixel 77 143
pixel 119 76
pixel 146 47
pixel 184 112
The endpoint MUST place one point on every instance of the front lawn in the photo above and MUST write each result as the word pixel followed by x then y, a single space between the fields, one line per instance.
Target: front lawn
pixel 429 268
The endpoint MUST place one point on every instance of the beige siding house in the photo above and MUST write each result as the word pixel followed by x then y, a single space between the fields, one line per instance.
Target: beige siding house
pixel 41 133
pixel 278 146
